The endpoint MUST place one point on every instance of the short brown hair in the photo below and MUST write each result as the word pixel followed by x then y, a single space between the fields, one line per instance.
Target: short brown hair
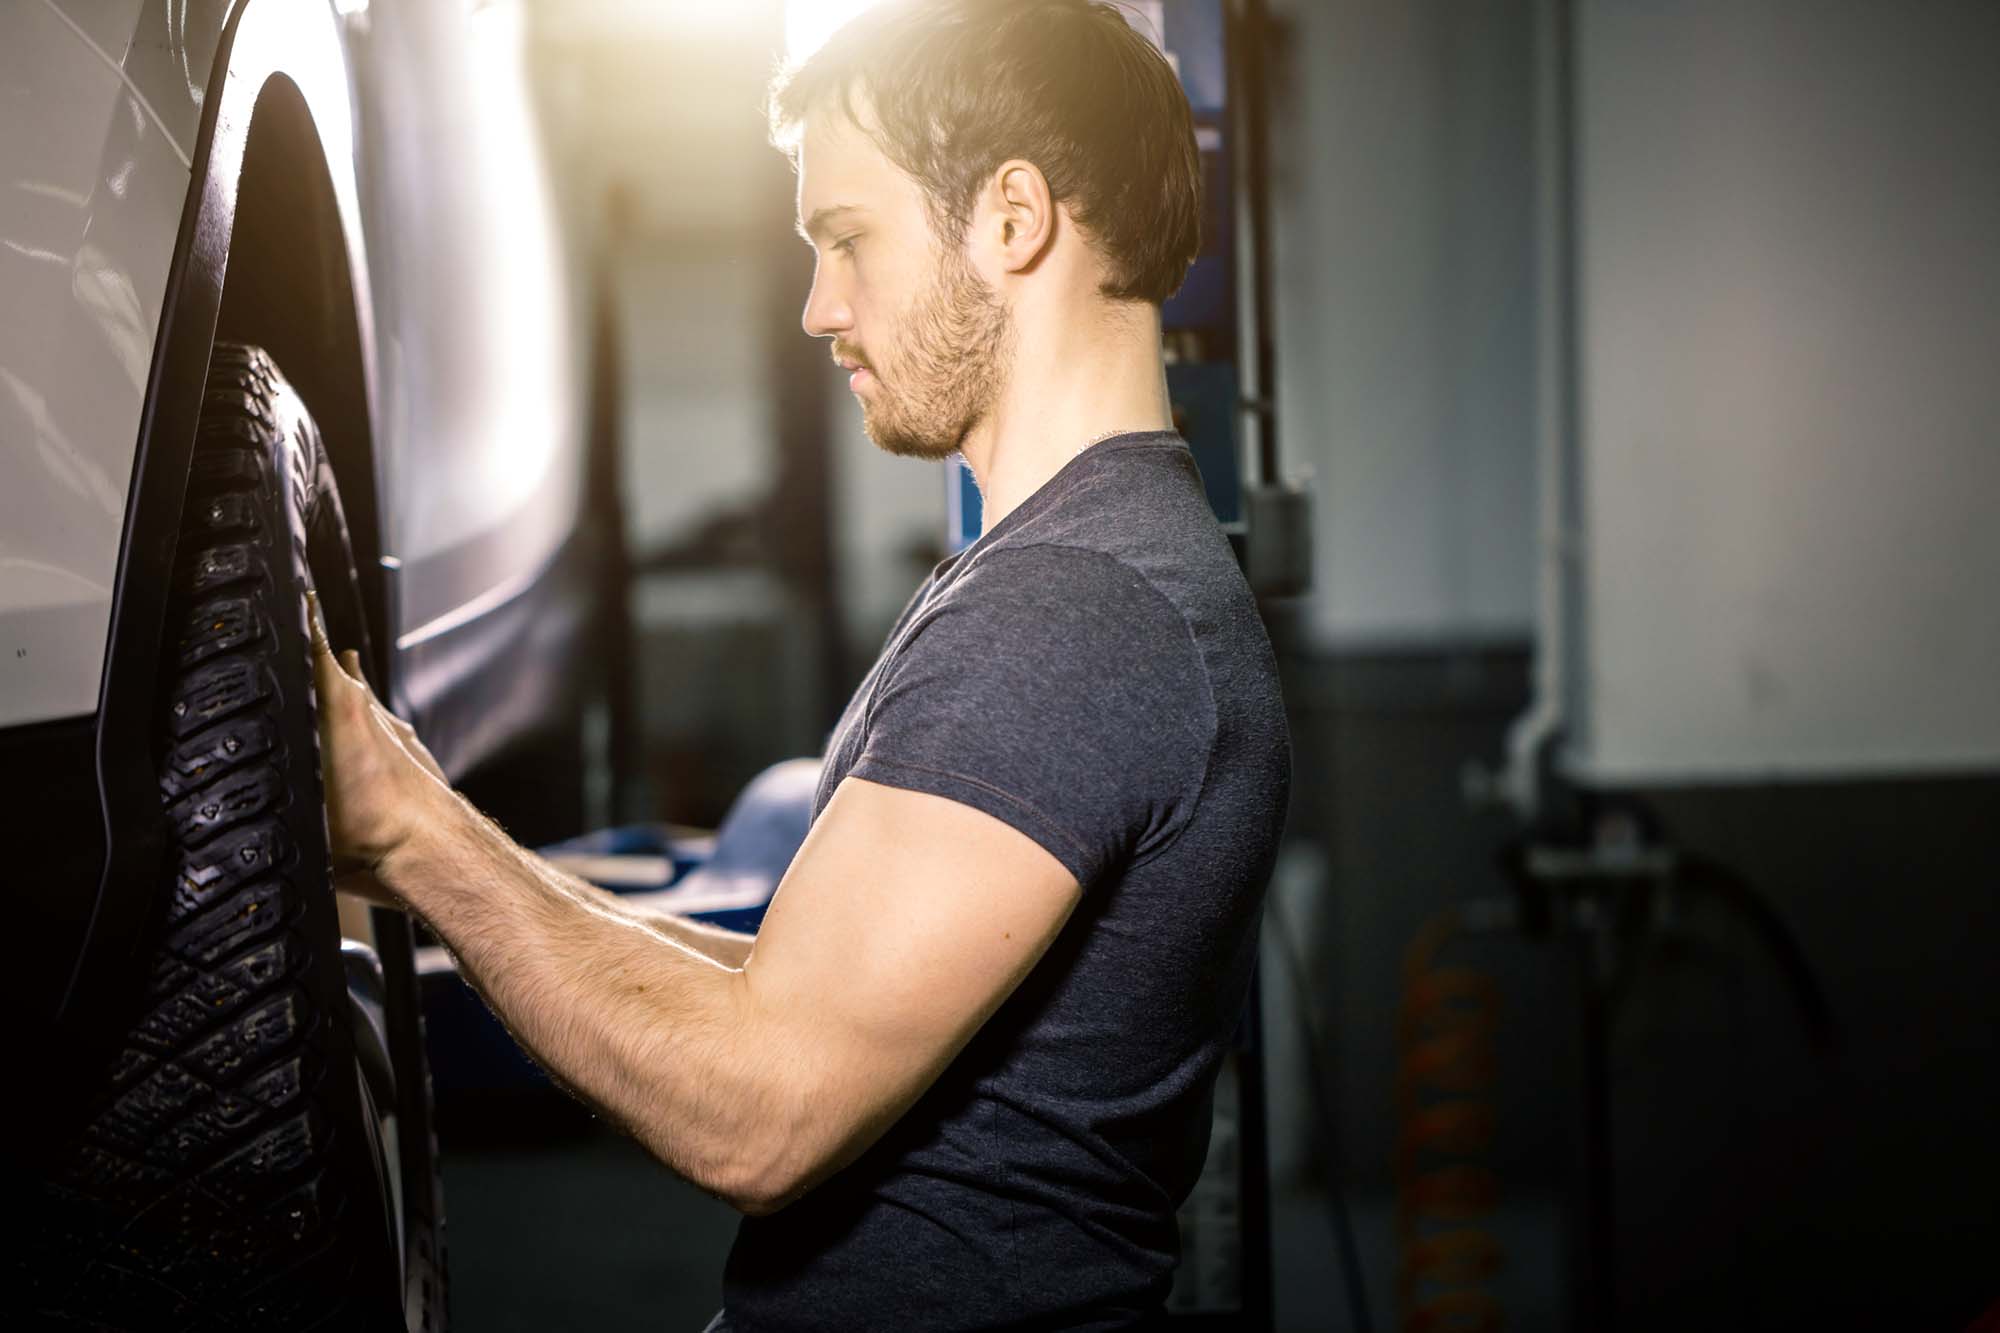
pixel 957 87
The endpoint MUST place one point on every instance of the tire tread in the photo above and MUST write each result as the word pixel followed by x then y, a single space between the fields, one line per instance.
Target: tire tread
pixel 206 1188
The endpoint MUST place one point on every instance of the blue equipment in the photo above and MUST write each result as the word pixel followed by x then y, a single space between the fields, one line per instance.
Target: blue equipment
pixel 725 878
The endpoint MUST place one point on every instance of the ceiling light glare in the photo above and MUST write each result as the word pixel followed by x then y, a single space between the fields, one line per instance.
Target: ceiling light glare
pixel 808 23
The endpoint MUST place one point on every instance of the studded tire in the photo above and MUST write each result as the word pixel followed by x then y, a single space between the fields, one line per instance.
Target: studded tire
pixel 258 1153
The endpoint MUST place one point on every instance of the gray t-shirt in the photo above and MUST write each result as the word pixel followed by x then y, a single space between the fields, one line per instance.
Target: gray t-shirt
pixel 1093 672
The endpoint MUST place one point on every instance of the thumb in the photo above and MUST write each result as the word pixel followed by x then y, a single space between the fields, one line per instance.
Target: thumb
pixel 347 663
pixel 316 627
pixel 326 667
pixel 328 670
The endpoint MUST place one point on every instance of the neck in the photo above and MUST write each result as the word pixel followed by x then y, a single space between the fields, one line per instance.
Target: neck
pixel 1075 380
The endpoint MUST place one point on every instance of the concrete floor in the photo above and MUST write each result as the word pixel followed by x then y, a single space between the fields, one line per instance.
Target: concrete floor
pixel 582 1231
pixel 576 1227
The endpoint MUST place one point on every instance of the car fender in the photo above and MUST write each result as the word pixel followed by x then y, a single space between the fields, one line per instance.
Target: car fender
pixel 95 182
pixel 272 59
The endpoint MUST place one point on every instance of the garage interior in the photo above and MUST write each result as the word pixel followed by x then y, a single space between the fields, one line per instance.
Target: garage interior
pixel 1599 396
pixel 1636 360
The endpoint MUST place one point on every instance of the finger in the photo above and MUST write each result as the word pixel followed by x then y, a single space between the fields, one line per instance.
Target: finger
pixel 350 662
pixel 316 626
pixel 327 676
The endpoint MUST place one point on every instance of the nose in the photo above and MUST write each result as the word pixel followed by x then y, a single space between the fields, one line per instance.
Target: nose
pixel 827 310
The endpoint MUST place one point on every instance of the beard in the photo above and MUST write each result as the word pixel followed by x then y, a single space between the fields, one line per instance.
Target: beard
pixel 941 377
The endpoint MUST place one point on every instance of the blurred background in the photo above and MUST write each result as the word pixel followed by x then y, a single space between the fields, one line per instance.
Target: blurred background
pixel 1635 361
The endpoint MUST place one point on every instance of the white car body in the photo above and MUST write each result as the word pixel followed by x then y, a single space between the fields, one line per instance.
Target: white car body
pixel 475 416
pixel 359 190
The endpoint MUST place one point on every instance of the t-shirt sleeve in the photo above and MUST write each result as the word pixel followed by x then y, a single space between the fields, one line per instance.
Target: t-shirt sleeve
pixel 1057 690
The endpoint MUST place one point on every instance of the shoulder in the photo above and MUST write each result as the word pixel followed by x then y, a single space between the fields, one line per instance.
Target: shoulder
pixel 1062 614
pixel 1066 566
pixel 1088 594
pixel 1056 681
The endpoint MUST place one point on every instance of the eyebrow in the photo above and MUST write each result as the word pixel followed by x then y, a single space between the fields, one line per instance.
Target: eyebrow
pixel 822 220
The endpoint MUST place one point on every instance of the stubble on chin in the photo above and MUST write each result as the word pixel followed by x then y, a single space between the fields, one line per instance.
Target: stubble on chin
pixel 890 427
pixel 947 372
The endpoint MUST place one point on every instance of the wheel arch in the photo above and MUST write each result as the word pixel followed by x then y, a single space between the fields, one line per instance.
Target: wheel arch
pixel 272 185
pixel 293 288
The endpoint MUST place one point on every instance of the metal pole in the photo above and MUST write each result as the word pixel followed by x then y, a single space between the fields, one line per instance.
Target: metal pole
pixel 1249 122
pixel 1595 1252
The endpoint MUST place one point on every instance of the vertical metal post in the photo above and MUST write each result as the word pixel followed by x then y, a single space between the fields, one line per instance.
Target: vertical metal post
pixel 604 484
pixel 1593 1249
pixel 1248 37
pixel 1255 1163
pixel 799 512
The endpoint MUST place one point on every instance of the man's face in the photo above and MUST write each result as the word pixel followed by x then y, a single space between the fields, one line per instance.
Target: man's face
pixel 926 338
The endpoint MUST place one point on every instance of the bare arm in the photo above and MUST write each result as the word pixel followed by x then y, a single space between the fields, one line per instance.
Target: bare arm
pixel 639 1021
pixel 903 923
pixel 728 947
pixel 654 911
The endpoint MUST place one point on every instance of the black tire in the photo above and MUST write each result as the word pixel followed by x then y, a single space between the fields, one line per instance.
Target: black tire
pixel 259 1153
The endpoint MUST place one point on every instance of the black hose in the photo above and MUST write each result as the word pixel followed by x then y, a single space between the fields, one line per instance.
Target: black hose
pixel 1779 944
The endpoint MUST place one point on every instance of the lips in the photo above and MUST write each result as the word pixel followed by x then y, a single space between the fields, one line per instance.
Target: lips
pixel 858 371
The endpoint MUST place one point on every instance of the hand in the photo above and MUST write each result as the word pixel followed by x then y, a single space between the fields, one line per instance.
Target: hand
pixel 382 785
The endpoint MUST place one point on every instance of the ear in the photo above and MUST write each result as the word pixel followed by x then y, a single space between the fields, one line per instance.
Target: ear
pixel 1014 220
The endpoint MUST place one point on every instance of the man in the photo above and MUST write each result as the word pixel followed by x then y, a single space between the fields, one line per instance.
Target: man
pixel 961 1078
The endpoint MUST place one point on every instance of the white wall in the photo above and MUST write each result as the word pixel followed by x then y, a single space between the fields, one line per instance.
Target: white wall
pixel 665 101
pixel 1404 270
pixel 885 509
pixel 697 428
pixel 1789 280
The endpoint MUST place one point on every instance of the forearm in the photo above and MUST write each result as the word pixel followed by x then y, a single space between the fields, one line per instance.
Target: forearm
pixel 627 1008
pixel 730 948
